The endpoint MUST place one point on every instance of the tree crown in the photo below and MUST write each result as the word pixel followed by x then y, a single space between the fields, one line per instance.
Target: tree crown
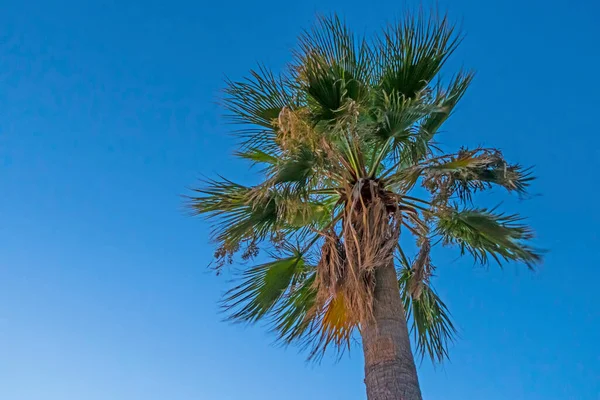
pixel 345 139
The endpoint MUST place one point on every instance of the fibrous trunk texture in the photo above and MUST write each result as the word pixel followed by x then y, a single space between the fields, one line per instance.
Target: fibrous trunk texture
pixel 390 372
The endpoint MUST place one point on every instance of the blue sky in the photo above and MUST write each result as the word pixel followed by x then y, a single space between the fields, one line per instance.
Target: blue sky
pixel 108 112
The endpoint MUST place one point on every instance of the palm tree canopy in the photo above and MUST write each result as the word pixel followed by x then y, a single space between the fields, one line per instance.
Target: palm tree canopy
pixel 344 138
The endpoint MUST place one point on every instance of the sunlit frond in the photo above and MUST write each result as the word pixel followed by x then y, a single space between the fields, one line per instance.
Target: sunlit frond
pixel 463 174
pixel 486 233
pixel 332 326
pixel 469 171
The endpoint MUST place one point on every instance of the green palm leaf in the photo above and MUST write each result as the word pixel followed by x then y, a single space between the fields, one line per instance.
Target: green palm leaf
pixel 262 287
pixel 471 170
pixel 463 174
pixel 397 114
pixel 486 233
pixel 257 156
pixel 411 53
pixel 447 99
pixel 240 215
pixel 257 102
pixel 332 67
pixel 298 168
pixel 292 318
pixel 432 325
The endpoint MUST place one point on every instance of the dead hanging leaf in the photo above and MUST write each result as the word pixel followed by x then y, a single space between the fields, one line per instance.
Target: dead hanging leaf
pixel 331 267
pixel 421 270
pixel 294 130
pixel 366 240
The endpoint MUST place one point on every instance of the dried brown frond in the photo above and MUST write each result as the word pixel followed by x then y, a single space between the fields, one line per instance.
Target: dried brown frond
pixel 369 232
pixel 331 266
pixel 421 269
pixel 334 324
pixel 294 130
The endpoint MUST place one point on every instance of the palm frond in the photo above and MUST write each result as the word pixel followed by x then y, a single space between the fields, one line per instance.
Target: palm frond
pixel 431 324
pixel 246 216
pixel 398 113
pixel 462 174
pixel 257 156
pixel 397 119
pixel 411 53
pixel 240 214
pixel 486 233
pixel 297 168
pixel 257 102
pixel 282 292
pixel 294 316
pixel 470 171
pixel 262 287
pixel 447 99
pixel 418 148
pixel 316 327
pixel 333 325
pixel 310 215
pixel 419 145
pixel 332 67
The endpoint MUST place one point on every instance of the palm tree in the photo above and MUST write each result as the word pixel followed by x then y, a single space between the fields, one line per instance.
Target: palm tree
pixel 345 139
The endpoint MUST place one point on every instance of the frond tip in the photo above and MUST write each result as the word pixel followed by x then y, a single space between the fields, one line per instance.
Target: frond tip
pixel 412 52
pixel 486 233
pixel 243 217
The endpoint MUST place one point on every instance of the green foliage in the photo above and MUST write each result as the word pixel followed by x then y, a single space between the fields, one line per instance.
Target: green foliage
pixel 344 137
pixel 257 156
pixel 398 114
pixel 462 174
pixel 332 67
pixel 298 168
pixel 486 233
pixel 411 53
pixel 262 287
pixel 291 319
pixel 256 102
pixel 241 215
pixel 431 323
pixel 447 99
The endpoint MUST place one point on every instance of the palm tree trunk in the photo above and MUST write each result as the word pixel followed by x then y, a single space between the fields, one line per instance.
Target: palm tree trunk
pixel 390 372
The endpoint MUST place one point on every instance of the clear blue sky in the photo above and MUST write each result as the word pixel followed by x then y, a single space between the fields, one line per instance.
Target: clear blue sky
pixel 108 111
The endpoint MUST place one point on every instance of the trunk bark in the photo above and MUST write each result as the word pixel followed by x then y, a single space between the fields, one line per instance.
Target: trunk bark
pixel 390 372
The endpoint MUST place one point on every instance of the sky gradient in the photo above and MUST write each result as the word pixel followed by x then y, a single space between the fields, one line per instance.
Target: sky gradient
pixel 108 112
